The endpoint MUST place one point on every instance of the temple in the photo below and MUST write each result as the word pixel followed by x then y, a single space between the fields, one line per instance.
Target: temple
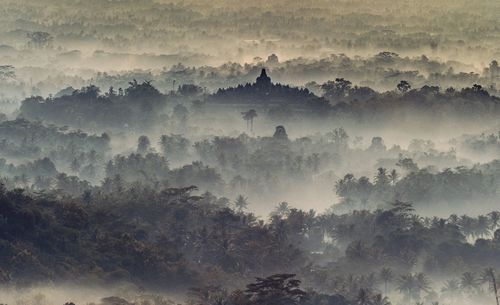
pixel 265 92
pixel 263 80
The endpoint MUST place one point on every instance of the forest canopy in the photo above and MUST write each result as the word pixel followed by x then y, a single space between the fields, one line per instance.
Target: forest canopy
pixel 323 152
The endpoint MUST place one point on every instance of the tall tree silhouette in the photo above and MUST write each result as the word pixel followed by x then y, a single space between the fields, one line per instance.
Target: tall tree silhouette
pixel 249 116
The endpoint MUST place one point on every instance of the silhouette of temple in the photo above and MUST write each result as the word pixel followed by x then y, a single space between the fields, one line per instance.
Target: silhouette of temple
pixel 263 80
pixel 265 92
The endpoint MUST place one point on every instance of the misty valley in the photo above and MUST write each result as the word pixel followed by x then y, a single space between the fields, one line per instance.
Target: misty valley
pixel 189 152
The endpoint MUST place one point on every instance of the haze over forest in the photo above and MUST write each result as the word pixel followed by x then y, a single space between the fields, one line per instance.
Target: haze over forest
pixel 318 152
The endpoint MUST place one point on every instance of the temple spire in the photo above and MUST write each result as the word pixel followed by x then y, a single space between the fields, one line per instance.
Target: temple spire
pixel 263 79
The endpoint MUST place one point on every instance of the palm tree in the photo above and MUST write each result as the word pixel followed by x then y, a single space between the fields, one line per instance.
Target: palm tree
pixel 386 276
pixel 489 276
pixel 411 285
pixel 469 282
pixel 357 251
pixel 451 288
pixel 423 282
pixel 466 224
pixel 482 226
pixel 366 297
pixel 378 299
pixel 22 180
pixel 248 116
pixel 363 297
pixel 494 219
pixel 282 209
pixel 241 203
pixel 453 219
pixel 393 177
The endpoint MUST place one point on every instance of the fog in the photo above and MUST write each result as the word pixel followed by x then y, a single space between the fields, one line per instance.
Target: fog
pixel 332 152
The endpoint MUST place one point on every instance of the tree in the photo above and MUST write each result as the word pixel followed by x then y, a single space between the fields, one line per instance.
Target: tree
pixel 366 297
pixel 403 86
pixel 482 226
pixel 412 285
pixel 378 299
pixel 143 91
pixel 90 92
pixel 190 90
pixel 111 92
pixel 363 297
pixel 249 116
pixel 377 144
pixel 143 145
pixel 477 88
pixel 450 91
pixel 75 165
pixel 208 295
pixel 278 289
pixel 42 183
pixel 336 89
pixel 241 203
pixel 386 276
pixel 393 177
pixel 381 178
pixel 87 196
pixel 494 219
pixel 407 285
pixel 282 209
pixel 489 275
pixel 7 72
pixel 40 40
pixel 407 164
pixel 469 282
pixel 402 208
pixel 180 113
pixel 423 282
pixel 174 146
pixel 339 137
pixel 451 288
pixel 272 60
